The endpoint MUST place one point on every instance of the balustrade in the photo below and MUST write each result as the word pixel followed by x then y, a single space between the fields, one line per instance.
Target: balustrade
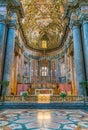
pixel 53 99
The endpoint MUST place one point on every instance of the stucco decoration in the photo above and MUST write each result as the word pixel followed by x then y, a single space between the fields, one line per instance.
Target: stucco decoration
pixel 43 22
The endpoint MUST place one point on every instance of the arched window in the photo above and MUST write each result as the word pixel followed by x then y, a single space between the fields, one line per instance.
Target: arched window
pixel 44 71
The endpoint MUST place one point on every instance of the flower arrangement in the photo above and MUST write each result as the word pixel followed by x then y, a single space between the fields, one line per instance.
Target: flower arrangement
pixel 5 84
pixel 84 83
pixel 63 94
pixel 24 94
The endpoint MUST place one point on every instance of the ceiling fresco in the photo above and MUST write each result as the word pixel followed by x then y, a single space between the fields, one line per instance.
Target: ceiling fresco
pixel 43 23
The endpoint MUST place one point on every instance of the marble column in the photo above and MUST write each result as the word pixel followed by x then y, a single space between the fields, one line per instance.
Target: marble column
pixel 22 67
pixel 49 70
pixel 38 68
pixel 2 46
pixel 3 35
pixel 9 56
pixel 28 71
pixel 85 45
pixel 72 73
pixel 38 74
pixel 59 71
pixel 78 58
pixel 66 69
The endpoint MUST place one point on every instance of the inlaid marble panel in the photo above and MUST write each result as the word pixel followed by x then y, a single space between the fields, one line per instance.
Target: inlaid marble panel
pixel 28 119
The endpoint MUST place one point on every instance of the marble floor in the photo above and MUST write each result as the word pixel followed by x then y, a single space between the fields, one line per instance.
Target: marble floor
pixel 28 119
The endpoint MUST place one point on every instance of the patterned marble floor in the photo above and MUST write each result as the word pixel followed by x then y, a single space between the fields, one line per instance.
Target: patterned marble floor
pixel 28 119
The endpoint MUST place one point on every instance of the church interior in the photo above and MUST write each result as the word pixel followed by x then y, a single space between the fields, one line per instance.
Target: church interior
pixel 44 60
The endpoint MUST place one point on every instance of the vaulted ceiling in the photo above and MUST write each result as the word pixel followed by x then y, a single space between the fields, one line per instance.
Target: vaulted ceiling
pixel 43 23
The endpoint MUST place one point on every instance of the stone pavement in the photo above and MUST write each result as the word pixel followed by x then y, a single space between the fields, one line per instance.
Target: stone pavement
pixel 56 119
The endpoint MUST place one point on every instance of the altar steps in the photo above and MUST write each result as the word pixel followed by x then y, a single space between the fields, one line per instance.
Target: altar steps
pixel 9 105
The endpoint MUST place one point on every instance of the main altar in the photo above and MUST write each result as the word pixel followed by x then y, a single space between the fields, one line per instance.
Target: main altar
pixel 43 95
pixel 44 91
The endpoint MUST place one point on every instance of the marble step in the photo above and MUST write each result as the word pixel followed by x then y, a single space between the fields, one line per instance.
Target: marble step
pixel 17 105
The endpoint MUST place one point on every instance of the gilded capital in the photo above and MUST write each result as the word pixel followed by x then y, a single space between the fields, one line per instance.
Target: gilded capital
pixel 84 14
pixel 74 21
pixel 12 19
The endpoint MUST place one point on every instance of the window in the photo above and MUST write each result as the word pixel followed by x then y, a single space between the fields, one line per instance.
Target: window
pixel 62 69
pixel 44 71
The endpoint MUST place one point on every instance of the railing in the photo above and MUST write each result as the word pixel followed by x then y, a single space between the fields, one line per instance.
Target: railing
pixel 53 99
pixel 69 99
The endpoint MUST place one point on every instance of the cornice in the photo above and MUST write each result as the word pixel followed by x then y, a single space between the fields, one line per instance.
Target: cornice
pixel 57 56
